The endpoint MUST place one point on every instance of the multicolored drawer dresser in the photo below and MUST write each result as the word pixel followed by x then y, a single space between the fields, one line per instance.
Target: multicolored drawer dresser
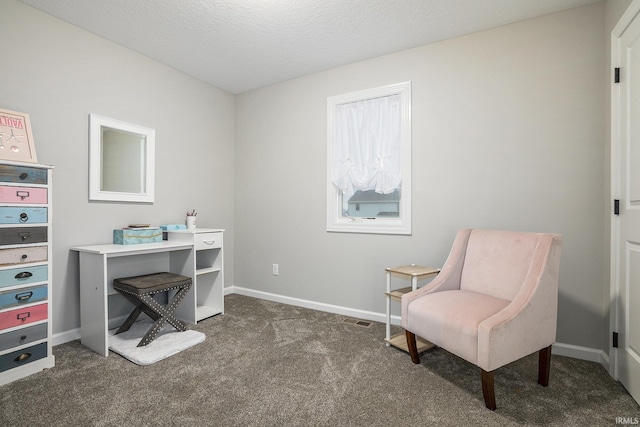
pixel 25 270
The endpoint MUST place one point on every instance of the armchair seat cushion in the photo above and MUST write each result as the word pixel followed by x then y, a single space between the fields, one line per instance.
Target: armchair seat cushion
pixel 450 319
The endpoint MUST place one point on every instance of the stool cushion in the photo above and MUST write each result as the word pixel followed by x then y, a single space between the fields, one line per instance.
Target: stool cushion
pixel 150 283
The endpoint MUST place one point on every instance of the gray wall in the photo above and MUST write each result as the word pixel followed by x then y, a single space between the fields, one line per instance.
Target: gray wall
pixel 58 74
pixel 508 132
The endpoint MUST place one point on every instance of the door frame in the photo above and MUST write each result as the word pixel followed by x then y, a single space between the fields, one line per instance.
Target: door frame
pixel 616 317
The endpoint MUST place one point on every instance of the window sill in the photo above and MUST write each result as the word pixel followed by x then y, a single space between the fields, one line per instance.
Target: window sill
pixel 369 226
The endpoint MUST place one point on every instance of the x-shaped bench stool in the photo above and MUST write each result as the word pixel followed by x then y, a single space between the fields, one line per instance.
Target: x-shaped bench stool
pixel 140 290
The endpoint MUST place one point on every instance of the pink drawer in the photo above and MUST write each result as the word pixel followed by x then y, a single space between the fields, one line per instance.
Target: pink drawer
pixel 22 316
pixel 14 194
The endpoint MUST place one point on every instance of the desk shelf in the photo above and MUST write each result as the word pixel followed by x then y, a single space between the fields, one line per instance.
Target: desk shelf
pixel 203 311
pixel 208 280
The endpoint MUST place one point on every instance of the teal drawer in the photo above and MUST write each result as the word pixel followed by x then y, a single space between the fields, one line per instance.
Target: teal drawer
pixel 20 215
pixel 22 296
pixel 23 174
pixel 23 276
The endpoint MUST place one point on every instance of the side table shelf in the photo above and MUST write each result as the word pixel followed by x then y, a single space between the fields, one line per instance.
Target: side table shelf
pixel 415 273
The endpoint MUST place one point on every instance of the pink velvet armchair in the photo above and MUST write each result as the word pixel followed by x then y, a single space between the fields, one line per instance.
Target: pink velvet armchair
pixel 494 302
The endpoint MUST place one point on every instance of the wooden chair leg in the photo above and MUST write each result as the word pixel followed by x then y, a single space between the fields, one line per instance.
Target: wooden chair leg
pixel 413 347
pixel 544 366
pixel 488 390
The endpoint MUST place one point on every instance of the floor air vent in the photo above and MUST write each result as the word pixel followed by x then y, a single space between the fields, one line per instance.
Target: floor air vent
pixel 357 322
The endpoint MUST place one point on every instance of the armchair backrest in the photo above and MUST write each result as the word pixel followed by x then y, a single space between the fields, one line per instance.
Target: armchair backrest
pixel 496 263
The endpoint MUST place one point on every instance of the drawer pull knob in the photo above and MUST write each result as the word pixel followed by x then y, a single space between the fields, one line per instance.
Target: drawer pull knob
pixel 24 217
pixel 23 275
pixel 24 256
pixel 209 242
pixel 24 235
pixel 23 176
pixel 22 357
pixel 22 194
pixel 23 337
pixel 23 316
pixel 24 296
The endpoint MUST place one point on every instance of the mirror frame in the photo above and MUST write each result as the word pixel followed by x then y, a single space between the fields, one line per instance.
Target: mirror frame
pixel 96 125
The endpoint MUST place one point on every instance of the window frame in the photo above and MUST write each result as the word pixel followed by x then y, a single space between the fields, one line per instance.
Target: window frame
pixel 400 225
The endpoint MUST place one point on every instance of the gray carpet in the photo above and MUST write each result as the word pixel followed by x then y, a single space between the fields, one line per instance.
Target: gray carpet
pixel 270 364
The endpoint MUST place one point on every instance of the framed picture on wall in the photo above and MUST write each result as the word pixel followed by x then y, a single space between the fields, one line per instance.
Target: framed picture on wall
pixel 16 138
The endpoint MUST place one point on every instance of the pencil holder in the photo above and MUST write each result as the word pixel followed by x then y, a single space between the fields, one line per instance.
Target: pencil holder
pixel 191 222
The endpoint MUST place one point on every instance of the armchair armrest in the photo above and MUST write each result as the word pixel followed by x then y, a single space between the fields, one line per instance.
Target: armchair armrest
pixel 449 276
pixel 528 323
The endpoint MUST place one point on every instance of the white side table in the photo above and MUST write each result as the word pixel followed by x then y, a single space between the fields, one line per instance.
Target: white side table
pixel 415 273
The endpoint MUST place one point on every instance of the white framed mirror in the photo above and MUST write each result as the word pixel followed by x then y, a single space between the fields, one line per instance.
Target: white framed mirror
pixel 121 161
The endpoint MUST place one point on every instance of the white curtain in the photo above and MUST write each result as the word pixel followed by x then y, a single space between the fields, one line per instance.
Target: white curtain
pixel 367 146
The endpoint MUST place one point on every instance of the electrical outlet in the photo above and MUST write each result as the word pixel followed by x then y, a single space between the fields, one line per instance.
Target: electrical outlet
pixel 275 269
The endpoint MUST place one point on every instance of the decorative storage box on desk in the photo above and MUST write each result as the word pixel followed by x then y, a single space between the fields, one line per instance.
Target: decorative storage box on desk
pixel 134 237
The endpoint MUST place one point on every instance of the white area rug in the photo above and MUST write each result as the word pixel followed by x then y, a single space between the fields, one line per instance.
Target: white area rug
pixel 167 343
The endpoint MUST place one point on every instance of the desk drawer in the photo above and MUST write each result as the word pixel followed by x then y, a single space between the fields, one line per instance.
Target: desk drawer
pixel 23 255
pixel 26 195
pixel 20 215
pixel 22 174
pixel 22 235
pixel 23 276
pixel 22 296
pixel 22 316
pixel 208 241
pixel 23 336
pixel 23 357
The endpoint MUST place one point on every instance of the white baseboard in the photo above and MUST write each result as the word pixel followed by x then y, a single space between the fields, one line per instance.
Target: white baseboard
pixel 329 308
pixel 74 334
pixel 582 353
pixel 66 336
pixel 569 350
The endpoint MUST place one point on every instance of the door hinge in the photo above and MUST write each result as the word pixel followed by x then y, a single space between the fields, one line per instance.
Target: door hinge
pixel 615 340
pixel 616 75
pixel 616 207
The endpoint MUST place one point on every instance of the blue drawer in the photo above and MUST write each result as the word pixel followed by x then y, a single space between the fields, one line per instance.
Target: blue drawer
pixel 23 357
pixel 23 275
pixel 22 296
pixel 20 215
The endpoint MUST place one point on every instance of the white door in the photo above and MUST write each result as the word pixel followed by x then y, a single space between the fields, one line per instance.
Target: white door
pixel 626 187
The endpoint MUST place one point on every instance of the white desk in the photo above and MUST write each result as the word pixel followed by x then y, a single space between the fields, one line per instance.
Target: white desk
pixel 100 264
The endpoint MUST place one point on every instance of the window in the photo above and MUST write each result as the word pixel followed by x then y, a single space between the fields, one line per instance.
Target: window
pixel 369 161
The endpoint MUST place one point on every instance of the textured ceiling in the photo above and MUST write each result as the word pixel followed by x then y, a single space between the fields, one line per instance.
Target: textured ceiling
pixel 239 45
